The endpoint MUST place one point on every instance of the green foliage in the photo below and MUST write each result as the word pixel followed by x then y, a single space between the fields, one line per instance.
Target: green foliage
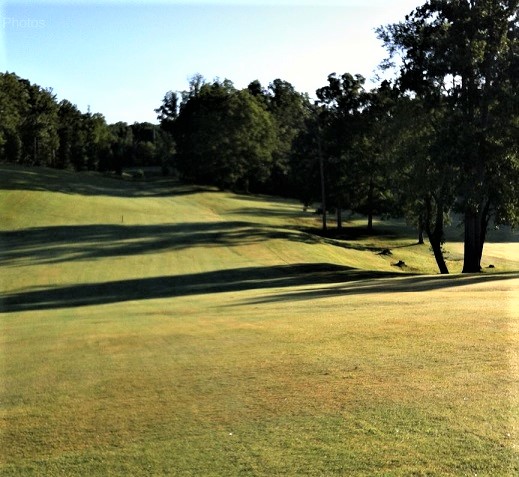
pixel 122 146
pixel 289 110
pixel 461 58
pixel 35 129
pixel 13 108
pixel 72 137
pixel 357 137
pixel 425 175
pixel 224 136
pixel 371 166
pixel 38 129
pixel 339 124
pixel 167 112
pixel 305 159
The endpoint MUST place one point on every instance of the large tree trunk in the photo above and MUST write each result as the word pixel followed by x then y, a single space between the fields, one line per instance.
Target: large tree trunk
pixel 438 254
pixel 436 235
pixel 471 260
pixel 339 218
pixel 323 182
pixel 476 224
pixel 420 230
pixel 473 246
pixel 323 208
pixel 370 205
pixel 484 220
pixel 246 185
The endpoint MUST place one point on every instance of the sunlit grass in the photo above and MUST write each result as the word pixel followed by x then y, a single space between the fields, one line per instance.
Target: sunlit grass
pixel 359 375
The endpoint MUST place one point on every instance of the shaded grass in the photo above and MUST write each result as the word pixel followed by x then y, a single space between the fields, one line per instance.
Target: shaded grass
pixel 244 348
pixel 358 385
pixel 89 242
pixel 352 282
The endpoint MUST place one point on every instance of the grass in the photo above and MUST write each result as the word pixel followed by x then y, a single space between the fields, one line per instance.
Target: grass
pixel 151 329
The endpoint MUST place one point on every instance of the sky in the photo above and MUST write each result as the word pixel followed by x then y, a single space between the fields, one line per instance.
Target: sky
pixel 119 58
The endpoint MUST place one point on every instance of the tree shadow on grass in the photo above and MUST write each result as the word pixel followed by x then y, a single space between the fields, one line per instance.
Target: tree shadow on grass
pixel 353 281
pixel 91 183
pixel 398 283
pixel 248 278
pixel 266 212
pixel 55 244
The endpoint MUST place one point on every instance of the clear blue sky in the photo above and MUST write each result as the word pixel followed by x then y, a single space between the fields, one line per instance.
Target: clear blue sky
pixel 121 57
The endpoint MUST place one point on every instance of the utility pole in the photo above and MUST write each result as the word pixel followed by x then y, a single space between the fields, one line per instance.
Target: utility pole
pixel 321 167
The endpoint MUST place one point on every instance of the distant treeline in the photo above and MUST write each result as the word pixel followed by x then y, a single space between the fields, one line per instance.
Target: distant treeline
pixel 36 129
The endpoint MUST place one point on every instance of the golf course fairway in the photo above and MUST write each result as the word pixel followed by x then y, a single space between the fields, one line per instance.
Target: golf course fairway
pixel 158 329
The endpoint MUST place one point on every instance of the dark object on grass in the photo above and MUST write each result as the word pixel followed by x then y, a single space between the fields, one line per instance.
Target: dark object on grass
pixel 400 264
pixel 386 251
pixel 491 266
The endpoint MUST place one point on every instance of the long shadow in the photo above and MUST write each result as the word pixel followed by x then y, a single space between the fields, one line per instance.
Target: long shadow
pixel 220 281
pixel 267 212
pixel 356 232
pixel 47 245
pixel 390 284
pixel 354 282
pixel 349 236
pixel 90 184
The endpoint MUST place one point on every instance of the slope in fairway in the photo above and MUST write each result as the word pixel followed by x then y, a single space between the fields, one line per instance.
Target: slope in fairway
pixel 157 329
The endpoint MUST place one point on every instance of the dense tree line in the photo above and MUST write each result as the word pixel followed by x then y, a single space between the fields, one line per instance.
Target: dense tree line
pixel 440 136
pixel 36 129
pixel 235 138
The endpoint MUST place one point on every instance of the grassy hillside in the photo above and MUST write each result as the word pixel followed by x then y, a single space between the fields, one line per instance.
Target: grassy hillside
pixel 158 329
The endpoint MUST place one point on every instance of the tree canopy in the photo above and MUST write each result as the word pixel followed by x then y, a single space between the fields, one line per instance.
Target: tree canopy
pixel 36 129
pixel 460 57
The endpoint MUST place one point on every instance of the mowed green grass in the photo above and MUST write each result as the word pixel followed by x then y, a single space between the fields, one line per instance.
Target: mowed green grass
pixel 156 329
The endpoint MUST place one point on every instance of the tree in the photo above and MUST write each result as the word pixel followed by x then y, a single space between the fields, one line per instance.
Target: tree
pixel 167 112
pixel 14 107
pixel 38 129
pixel 97 142
pixel 144 147
pixel 371 146
pixel 288 108
pixel 462 55
pixel 121 146
pixel 256 89
pixel 340 121
pixel 306 173
pixel 223 136
pixel 72 136
pixel 424 176
pixel 252 137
